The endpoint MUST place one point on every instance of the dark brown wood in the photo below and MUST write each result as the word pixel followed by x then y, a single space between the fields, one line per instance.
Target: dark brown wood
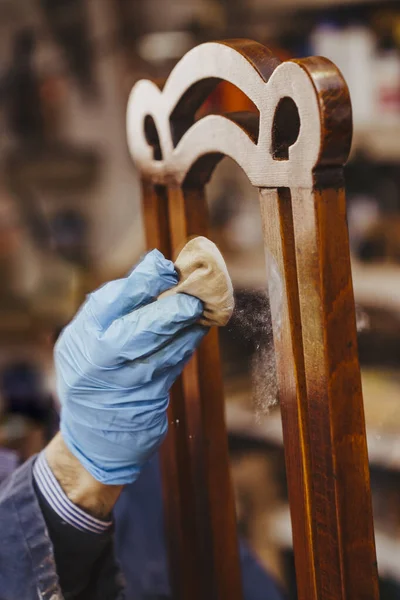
pixel 300 176
pixel 277 219
pixel 341 505
pixel 204 398
pixel 305 234
pixel 198 494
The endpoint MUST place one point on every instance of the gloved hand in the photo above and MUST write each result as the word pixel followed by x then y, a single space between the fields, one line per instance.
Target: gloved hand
pixel 115 364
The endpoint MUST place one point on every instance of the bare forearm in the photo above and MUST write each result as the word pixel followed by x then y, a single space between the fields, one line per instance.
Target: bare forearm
pixel 81 488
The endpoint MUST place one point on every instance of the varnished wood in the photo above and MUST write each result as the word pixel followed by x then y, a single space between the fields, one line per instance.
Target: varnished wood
pixel 341 505
pixel 293 150
pixel 198 495
pixel 277 219
pixel 206 436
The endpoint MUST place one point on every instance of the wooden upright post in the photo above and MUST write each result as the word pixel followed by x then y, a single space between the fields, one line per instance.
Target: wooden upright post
pixel 294 153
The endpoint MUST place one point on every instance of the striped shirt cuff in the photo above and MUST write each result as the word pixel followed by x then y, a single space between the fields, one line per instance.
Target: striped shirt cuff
pixel 60 503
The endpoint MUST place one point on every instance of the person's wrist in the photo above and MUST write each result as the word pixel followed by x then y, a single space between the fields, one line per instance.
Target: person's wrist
pixel 96 498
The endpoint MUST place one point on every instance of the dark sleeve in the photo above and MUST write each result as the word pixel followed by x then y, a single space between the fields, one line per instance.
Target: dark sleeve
pixel 32 541
pixel 27 565
pixel 78 554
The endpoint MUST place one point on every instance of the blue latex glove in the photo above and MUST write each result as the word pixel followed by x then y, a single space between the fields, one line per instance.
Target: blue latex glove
pixel 115 364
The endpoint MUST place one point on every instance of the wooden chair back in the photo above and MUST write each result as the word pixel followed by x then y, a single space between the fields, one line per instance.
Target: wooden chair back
pixel 293 151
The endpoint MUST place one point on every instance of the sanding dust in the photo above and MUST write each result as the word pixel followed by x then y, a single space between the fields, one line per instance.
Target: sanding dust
pixel 362 319
pixel 252 318
pixel 264 382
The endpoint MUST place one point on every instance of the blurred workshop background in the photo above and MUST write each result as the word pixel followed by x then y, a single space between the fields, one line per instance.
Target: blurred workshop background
pixel 70 218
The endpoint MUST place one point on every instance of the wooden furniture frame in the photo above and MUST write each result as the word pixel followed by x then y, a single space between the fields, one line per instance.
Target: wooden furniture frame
pixel 293 151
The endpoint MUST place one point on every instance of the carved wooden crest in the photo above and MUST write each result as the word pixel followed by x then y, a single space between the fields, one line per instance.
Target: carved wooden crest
pixel 293 151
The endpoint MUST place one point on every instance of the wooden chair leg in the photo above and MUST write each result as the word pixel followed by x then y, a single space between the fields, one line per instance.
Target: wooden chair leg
pixel 313 319
pixel 198 495
pixel 341 503
pixel 277 220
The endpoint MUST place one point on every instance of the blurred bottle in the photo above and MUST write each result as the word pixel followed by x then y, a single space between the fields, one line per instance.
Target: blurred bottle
pixel 361 47
pixel 329 40
pixel 387 82
pixel 352 49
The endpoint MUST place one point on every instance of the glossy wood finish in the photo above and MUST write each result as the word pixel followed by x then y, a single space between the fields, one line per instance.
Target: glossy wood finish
pixel 293 151
pixel 277 219
pixel 198 494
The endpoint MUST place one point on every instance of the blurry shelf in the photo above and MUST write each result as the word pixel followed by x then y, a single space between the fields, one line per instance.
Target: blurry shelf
pixel 378 141
pixel 247 270
pixel 242 422
pixel 285 5
pixel 387 547
pixel 383 448
pixel 374 284
pixel 55 167
pixel 377 284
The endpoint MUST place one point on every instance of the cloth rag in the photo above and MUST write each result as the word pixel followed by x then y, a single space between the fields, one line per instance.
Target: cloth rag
pixel 203 273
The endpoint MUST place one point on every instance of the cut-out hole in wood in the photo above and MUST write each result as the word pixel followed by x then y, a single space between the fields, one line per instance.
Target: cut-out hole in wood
pixel 184 114
pixel 202 170
pixel 151 134
pixel 286 128
pixel 203 97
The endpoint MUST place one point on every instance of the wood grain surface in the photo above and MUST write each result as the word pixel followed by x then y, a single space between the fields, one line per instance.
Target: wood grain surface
pixel 293 150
